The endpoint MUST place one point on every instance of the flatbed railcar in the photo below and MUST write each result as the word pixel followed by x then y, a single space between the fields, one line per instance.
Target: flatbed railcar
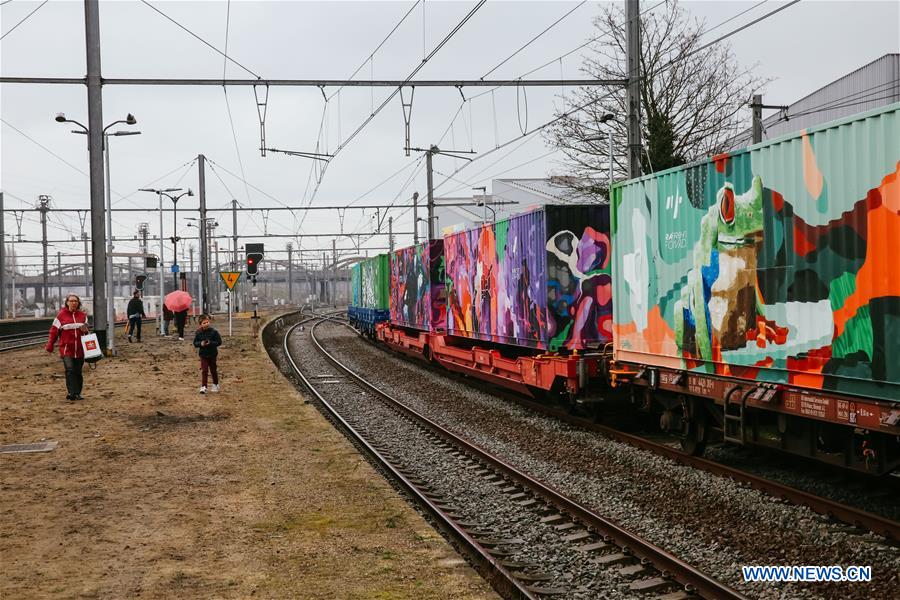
pixel 752 298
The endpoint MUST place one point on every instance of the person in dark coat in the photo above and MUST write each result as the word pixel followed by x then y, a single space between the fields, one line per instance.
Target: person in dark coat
pixel 208 340
pixel 180 320
pixel 168 315
pixel 135 312
pixel 68 326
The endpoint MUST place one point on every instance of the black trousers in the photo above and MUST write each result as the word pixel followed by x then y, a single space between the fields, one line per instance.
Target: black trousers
pixel 180 318
pixel 135 327
pixel 74 378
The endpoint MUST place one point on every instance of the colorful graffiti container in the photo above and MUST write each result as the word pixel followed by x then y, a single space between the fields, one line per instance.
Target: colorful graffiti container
pixel 370 290
pixel 540 279
pixel 418 297
pixel 778 263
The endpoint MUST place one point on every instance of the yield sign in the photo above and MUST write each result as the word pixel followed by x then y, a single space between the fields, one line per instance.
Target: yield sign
pixel 230 278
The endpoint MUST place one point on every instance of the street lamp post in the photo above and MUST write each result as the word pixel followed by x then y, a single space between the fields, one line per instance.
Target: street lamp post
pixel 605 119
pixel 160 194
pixel 596 138
pixel 110 282
pixel 175 238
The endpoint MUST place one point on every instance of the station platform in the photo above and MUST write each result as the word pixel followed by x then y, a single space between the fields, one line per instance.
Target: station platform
pixel 157 491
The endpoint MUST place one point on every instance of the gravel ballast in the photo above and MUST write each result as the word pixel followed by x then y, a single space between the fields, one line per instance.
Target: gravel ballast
pixel 715 524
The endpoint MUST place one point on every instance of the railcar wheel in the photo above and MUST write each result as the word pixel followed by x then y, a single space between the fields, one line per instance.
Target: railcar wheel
pixel 694 430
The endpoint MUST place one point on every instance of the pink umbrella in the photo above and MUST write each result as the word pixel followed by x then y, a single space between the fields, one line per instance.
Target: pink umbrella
pixel 178 301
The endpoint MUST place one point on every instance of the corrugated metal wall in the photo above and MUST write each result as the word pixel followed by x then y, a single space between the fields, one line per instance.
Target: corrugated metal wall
pixel 778 263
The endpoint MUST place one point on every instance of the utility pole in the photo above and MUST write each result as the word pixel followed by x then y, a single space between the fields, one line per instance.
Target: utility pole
pixel 214 252
pixel 428 157
pixel 18 216
pixel 334 272
pixel 290 290
pixel 204 255
pixel 633 96
pixel 234 238
pixel 44 206
pixel 757 107
pixel 391 234
pixel 59 276
pixel 191 268
pixel 95 153
pixel 162 274
pixel 2 261
pixel 87 280
pixel 415 200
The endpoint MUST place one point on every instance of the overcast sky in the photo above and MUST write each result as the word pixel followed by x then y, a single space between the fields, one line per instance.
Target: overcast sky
pixel 801 48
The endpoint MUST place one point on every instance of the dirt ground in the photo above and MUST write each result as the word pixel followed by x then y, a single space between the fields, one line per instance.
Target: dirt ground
pixel 156 491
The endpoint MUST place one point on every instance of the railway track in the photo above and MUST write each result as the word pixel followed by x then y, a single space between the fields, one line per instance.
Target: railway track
pixel 26 339
pixel 849 515
pixel 583 554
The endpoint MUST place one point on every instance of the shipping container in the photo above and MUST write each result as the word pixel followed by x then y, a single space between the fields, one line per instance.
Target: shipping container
pixel 369 281
pixel 370 288
pixel 539 279
pixel 355 294
pixel 779 262
pixel 417 292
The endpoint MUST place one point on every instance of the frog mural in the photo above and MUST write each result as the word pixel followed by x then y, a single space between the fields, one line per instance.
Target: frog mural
pixel 719 308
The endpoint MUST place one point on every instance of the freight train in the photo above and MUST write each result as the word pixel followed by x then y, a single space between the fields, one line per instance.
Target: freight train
pixel 751 298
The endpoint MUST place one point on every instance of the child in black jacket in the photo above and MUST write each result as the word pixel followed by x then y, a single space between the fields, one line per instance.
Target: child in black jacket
pixel 208 340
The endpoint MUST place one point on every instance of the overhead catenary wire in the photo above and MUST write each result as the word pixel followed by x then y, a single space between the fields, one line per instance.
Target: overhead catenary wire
pixel 40 145
pixel 13 28
pixel 834 107
pixel 535 38
pixel 378 47
pixel 192 34
pixel 668 65
pixel 723 37
pixel 874 90
pixel 396 91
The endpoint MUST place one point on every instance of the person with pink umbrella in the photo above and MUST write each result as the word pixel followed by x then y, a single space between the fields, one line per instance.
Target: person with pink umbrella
pixel 179 302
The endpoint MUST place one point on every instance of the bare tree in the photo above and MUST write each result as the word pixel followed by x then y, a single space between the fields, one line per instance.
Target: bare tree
pixel 690 98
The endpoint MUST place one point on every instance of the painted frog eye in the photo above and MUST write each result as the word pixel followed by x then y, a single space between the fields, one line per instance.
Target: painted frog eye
pixel 726 206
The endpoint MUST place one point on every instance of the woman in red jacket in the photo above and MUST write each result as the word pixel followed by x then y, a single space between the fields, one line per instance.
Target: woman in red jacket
pixel 68 326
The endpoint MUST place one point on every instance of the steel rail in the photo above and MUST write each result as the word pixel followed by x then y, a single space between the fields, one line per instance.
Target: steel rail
pixel 489 566
pixel 39 337
pixel 691 578
pixel 830 508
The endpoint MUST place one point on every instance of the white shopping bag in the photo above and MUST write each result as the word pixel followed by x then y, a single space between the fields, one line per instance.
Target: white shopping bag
pixel 91 347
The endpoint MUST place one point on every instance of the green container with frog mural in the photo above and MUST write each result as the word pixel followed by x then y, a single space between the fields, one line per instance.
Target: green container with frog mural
pixel 779 262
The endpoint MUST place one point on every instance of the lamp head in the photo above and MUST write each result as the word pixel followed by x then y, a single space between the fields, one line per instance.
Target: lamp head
pixel 415 196
pixel 190 192
pixel 130 119
pixel 60 117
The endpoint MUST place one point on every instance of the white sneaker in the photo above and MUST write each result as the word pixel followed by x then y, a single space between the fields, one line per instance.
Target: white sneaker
pixel 214 387
pixel 180 339
pixel 202 389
